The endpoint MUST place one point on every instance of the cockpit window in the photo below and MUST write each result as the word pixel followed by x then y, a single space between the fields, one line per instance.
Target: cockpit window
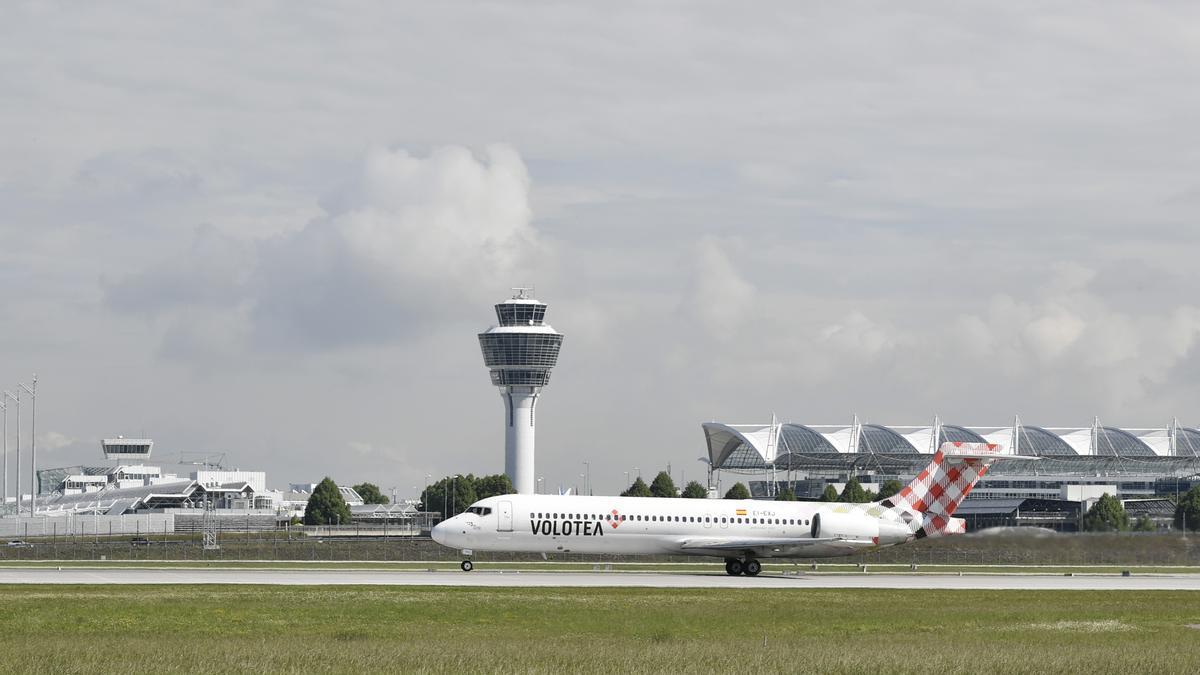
pixel 479 510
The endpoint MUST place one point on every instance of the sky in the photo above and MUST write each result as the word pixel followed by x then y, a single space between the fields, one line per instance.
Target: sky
pixel 273 230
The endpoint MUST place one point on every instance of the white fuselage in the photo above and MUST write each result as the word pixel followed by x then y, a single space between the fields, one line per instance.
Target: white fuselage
pixel 645 526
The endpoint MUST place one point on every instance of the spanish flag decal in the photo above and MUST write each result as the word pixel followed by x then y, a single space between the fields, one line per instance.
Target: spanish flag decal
pixel 741 512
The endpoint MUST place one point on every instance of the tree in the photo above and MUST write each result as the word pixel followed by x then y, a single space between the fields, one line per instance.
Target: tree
pixel 1187 511
pixel 738 491
pixel 492 486
pixel 450 496
pixel 326 506
pixel 785 495
pixel 830 494
pixel 694 490
pixel 1144 524
pixel 889 488
pixel 663 486
pixel 370 493
pixel 854 493
pixel 1106 515
pixel 638 489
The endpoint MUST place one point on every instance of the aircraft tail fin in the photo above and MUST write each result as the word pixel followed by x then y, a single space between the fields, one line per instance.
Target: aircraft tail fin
pixel 937 491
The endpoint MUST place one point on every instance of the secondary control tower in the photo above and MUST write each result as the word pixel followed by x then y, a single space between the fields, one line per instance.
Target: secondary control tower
pixel 520 352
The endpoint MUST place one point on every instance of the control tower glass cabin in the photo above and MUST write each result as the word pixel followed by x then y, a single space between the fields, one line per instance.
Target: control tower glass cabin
pixel 520 352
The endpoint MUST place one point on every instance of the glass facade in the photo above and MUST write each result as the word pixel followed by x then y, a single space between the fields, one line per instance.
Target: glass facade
pixel 883 441
pixel 1038 441
pixel 745 457
pixel 797 438
pixel 520 314
pixel 127 448
pixel 527 378
pixel 1120 443
pixel 956 434
pixel 1187 442
pixel 520 350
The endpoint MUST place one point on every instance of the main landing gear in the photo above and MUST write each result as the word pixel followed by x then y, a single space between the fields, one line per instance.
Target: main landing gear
pixel 734 567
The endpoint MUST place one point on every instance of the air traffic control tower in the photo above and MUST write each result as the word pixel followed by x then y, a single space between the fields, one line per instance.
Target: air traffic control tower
pixel 520 352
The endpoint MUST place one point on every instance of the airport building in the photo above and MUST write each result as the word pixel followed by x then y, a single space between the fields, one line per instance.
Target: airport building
pixel 131 487
pixel 1130 463
pixel 520 350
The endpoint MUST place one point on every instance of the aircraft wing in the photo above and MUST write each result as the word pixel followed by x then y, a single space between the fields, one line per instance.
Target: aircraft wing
pixel 775 547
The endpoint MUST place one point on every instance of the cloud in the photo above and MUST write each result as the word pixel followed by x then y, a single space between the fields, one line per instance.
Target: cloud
pixel 213 271
pixel 730 216
pixel 410 240
pixel 50 441
pixel 720 299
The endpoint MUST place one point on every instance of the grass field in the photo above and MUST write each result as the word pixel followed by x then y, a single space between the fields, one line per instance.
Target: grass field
pixel 255 629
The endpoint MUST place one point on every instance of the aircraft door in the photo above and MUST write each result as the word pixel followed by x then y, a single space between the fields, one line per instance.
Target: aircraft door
pixel 504 513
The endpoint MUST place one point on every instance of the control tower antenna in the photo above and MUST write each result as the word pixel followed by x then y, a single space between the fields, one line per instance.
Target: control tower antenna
pixel 520 352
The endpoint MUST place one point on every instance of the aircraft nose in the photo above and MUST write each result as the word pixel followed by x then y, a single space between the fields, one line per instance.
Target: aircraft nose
pixel 440 533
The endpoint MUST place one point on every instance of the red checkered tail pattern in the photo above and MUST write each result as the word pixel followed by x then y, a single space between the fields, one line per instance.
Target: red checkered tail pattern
pixel 937 491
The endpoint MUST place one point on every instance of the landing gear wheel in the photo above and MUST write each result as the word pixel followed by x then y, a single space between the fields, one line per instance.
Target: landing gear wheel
pixel 733 567
pixel 467 566
pixel 751 568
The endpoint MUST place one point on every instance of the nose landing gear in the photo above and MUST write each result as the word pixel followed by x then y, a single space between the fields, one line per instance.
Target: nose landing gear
pixel 734 567
pixel 467 566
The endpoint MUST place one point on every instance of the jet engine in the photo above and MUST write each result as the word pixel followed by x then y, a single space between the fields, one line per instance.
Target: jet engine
pixel 860 527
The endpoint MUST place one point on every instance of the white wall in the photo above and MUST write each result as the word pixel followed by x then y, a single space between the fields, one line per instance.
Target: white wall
pixel 256 479
pixel 146 524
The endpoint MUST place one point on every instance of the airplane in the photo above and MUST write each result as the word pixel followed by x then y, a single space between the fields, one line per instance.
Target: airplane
pixel 740 531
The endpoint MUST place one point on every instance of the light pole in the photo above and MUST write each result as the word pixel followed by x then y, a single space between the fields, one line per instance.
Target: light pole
pixel 587 481
pixel 626 477
pixel 539 484
pixel 17 398
pixel 32 446
pixel 454 493
pixel 708 463
pixel 4 480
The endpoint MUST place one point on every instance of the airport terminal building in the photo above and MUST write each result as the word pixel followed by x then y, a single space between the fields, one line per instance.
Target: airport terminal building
pixel 1133 463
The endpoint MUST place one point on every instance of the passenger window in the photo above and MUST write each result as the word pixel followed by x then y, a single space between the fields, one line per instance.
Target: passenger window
pixel 622 518
pixel 722 520
pixel 607 517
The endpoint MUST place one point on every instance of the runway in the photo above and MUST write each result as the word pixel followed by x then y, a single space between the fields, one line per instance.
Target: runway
pixel 513 579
